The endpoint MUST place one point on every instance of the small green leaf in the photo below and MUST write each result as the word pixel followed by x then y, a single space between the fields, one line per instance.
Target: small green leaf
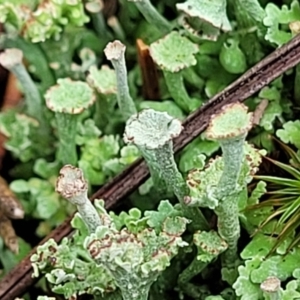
pixel 273 111
pixel 243 286
pixel 164 210
pixel 47 205
pixel 19 186
pixel 46 169
pixel 290 133
pixel 276 18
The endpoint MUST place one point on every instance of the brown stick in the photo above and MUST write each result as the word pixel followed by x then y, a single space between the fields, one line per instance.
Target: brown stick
pixel 259 111
pixel 19 279
pixel 148 70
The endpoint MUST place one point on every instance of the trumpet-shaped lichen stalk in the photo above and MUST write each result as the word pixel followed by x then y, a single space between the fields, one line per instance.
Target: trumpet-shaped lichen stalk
pixel 271 288
pixel 173 62
pixel 115 52
pixel 230 128
pixel 72 186
pixel 152 132
pixel 153 16
pixel 11 59
pixel 68 99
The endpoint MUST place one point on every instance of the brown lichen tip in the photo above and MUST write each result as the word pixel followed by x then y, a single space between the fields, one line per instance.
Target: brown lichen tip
pixel 70 184
pixel 270 285
pixel 114 50
pixel 151 129
pixel 70 97
pixel 231 122
pixel 11 57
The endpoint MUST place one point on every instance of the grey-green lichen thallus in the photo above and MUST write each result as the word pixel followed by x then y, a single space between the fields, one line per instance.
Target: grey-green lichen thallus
pixel 230 128
pixel 152 132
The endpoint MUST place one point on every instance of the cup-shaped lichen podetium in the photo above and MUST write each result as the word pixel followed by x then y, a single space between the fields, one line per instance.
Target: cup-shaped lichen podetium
pixel 173 62
pixel 68 99
pixel 72 186
pixel 152 132
pixel 229 128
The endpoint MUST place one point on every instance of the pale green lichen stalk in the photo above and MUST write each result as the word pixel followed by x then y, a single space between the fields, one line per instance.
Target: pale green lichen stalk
pixel 152 132
pixel 115 52
pixel 68 99
pixel 11 59
pixel 72 186
pixel 230 128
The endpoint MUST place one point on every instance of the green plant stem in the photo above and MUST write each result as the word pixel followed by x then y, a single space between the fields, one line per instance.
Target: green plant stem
pixel 103 109
pixel 227 210
pixel 152 16
pixel 193 78
pixel 193 269
pixel 177 89
pixel 167 171
pixel 66 127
